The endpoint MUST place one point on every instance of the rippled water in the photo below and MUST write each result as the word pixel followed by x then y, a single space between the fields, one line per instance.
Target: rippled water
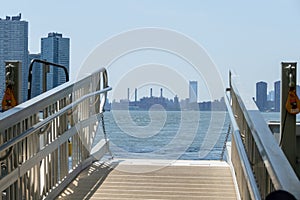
pixel 171 135
pixel 166 134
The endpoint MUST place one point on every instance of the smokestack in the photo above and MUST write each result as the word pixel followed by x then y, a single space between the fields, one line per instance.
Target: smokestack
pixel 135 95
pixel 151 92
pixel 128 92
pixel 161 93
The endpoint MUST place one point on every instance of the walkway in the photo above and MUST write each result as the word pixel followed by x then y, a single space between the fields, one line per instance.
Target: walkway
pixel 153 179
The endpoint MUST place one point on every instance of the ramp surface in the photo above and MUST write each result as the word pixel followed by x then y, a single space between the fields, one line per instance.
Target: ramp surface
pixel 153 179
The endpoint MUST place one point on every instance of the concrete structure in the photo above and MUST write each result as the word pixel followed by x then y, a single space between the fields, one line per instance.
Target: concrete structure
pixel 55 48
pixel 14 46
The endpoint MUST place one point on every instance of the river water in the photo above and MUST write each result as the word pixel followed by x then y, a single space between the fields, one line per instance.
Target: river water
pixel 186 135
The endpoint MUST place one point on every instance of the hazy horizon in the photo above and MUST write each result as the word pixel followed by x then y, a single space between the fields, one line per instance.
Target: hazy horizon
pixel 249 38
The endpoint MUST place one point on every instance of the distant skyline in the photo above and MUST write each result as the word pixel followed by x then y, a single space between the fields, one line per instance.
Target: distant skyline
pixel 14 50
pixel 250 38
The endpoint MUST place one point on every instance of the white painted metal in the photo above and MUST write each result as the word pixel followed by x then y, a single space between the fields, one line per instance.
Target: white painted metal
pixel 34 138
pixel 270 167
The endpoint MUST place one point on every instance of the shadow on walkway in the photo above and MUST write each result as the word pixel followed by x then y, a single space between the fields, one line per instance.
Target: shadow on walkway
pixel 88 181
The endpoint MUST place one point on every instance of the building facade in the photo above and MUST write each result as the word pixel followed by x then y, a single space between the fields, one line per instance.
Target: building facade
pixel 14 47
pixel 193 91
pixel 261 95
pixel 37 76
pixel 277 96
pixel 55 48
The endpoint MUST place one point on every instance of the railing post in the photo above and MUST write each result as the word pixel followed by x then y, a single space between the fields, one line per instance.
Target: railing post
pixel 287 120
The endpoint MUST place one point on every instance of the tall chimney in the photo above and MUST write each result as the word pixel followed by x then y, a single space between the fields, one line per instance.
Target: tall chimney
pixel 151 92
pixel 128 93
pixel 135 95
pixel 161 93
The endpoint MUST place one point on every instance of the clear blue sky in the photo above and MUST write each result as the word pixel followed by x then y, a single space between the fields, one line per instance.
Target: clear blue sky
pixel 250 37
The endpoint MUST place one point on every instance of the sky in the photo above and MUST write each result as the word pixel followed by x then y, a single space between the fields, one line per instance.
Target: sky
pixel 250 38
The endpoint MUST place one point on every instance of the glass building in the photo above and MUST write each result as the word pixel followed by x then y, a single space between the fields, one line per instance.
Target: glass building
pixel 37 76
pixel 261 95
pixel 14 47
pixel 55 48
pixel 277 96
pixel 193 91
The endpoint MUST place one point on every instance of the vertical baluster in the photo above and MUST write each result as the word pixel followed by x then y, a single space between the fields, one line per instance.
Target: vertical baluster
pixel 54 154
pixel 47 160
pixel 37 167
pixel 15 157
pixel 9 165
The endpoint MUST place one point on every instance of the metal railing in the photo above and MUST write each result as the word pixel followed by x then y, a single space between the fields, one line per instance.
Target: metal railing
pixel 46 141
pixel 45 63
pixel 260 165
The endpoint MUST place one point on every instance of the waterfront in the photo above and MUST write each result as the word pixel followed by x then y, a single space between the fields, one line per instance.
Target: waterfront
pixel 136 136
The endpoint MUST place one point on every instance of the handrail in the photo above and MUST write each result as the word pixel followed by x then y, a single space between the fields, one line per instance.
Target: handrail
pixel 39 165
pixel 39 125
pixel 46 63
pixel 263 152
pixel 42 100
pixel 249 177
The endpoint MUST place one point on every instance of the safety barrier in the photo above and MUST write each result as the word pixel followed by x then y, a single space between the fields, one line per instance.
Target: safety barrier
pixel 260 165
pixel 36 137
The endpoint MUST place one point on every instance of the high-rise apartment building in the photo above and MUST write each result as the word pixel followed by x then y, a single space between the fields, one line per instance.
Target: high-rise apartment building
pixel 261 95
pixel 55 48
pixel 37 76
pixel 14 48
pixel 277 96
pixel 193 91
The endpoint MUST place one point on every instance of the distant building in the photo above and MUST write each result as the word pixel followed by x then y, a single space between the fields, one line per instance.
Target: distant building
pixel 277 96
pixel 37 76
pixel 55 48
pixel 298 90
pixel 14 46
pixel 205 106
pixel 193 91
pixel 146 103
pixel 261 95
pixel 271 95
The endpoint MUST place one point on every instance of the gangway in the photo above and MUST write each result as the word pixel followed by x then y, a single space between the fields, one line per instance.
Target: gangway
pixel 153 179
pixel 37 163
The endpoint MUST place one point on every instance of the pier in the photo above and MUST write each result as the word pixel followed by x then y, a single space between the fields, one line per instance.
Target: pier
pixel 46 152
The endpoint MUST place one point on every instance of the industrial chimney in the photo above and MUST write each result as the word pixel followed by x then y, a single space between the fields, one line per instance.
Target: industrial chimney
pixel 128 93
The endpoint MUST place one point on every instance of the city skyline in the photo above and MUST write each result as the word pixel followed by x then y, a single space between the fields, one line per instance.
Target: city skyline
pixel 14 52
pixel 156 91
pixel 56 49
pixel 159 102
pixel 245 37
pixel 269 100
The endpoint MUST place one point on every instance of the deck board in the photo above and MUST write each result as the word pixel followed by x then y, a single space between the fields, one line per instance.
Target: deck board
pixel 153 180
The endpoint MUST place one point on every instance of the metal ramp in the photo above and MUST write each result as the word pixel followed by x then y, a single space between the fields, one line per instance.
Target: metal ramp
pixel 153 179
